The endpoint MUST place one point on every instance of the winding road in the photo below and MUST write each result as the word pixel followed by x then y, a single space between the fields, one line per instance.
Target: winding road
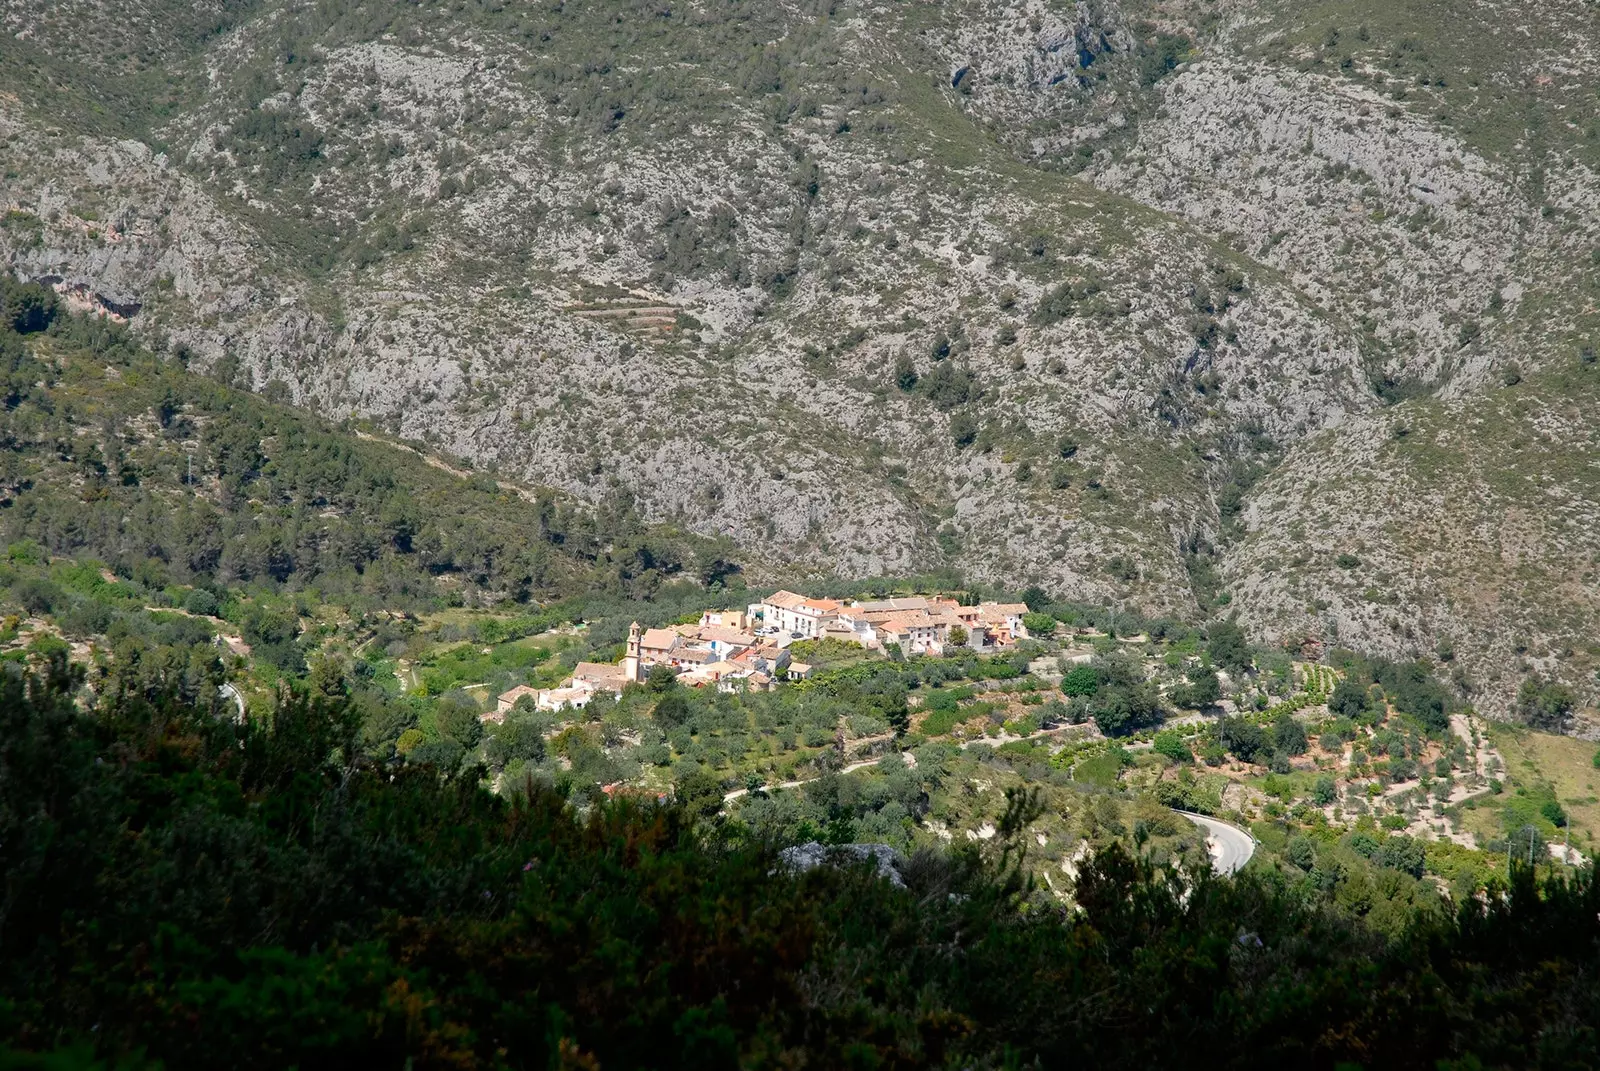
pixel 1230 846
pixel 230 692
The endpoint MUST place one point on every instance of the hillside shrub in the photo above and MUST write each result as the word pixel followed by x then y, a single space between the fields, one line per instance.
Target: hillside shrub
pixel 1172 744
pixel 1544 705
pixel 1080 680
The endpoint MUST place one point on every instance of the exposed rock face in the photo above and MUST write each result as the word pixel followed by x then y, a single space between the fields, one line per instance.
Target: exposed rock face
pixel 1194 244
pixel 813 854
pixel 1353 200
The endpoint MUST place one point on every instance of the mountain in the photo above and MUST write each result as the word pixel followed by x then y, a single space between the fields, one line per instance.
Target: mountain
pixel 1280 308
pixel 133 466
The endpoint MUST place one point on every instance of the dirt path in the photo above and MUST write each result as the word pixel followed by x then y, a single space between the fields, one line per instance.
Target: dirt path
pixel 1471 782
pixel 910 760
pixel 438 463
pixel 1042 734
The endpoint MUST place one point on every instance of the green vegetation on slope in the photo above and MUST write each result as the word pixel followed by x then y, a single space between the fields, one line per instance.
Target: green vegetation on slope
pixel 172 478
pixel 199 892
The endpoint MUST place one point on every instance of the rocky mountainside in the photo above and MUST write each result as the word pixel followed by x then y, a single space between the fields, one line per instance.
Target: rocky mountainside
pixel 1283 306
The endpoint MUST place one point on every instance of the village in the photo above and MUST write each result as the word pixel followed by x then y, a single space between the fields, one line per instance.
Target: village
pixel 750 648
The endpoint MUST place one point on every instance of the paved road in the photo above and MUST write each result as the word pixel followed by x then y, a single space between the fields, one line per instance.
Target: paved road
pixel 230 692
pixel 1230 846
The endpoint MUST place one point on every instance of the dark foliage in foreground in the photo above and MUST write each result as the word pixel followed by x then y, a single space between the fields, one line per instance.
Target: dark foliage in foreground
pixel 203 893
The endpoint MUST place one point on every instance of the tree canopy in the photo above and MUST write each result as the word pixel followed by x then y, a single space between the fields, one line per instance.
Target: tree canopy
pixel 201 892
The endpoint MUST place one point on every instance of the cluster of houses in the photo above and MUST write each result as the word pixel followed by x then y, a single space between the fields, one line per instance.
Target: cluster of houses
pixel 749 648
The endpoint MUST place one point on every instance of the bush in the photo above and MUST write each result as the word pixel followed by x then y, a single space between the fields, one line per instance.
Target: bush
pixel 444 754
pixel 1288 735
pixel 1080 681
pixel 87 617
pixel 1228 648
pixel 1324 791
pixel 1401 853
pixel 521 737
pixel 672 709
pixel 1553 813
pixel 1040 625
pixel 905 373
pixel 963 429
pixel 1122 568
pixel 1349 697
pixel 1125 709
pixel 37 595
pixel 948 386
pixel 1202 690
pixel 1102 769
pixel 26 307
pixel 202 602
pixel 284 655
pixel 1245 739
pixel 1301 852
pixel 1544 705
pixel 1172 744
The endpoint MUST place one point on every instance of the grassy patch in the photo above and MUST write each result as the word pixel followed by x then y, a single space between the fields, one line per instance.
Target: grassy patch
pixel 1561 768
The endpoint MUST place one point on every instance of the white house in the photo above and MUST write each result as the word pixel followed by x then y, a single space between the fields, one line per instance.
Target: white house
pixel 1004 620
pixel 725 641
pixel 575 695
pixel 790 613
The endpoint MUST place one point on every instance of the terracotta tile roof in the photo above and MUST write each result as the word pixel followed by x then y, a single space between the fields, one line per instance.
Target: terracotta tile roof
pixel 891 605
pixel 597 672
pixel 765 650
pixel 510 697
pixel 658 639
pixel 718 634
pixel 822 604
pixel 787 600
pixel 919 619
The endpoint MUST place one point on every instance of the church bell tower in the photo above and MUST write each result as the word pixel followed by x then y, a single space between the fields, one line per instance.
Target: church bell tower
pixel 630 662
